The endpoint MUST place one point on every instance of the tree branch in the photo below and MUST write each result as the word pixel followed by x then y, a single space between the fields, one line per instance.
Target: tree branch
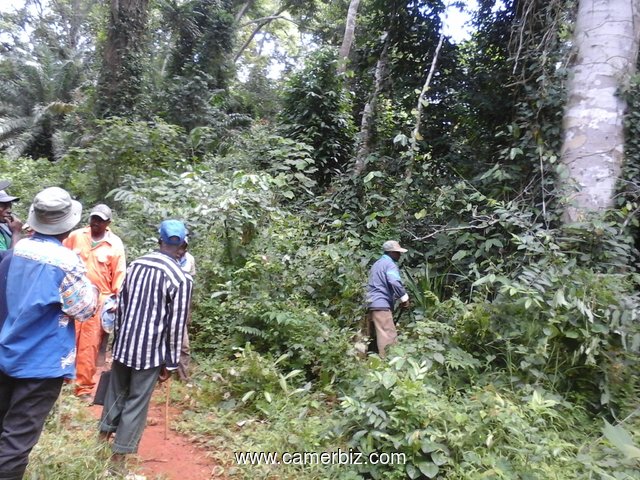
pixel 261 23
pixel 486 222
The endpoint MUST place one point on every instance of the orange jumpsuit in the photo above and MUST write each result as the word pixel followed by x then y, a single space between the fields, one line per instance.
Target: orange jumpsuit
pixel 106 268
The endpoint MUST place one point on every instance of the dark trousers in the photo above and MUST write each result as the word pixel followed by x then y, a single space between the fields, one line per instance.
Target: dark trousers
pixel 24 406
pixel 126 405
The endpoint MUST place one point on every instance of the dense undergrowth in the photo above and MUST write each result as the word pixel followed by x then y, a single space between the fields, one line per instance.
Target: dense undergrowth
pixel 521 343
pixel 519 356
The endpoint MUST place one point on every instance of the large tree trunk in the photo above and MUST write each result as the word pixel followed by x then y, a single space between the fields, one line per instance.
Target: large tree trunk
pixel 606 41
pixel 365 136
pixel 349 35
pixel 121 75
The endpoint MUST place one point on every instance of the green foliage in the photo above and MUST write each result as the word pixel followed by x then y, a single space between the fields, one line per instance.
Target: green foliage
pixel 290 418
pixel 258 95
pixel 230 207
pixel 401 407
pixel 68 447
pixel 37 93
pixel 573 331
pixel 203 32
pixel 255 382
pixel 120 147
pixel 28 177
pixel 518 327
pixel 316 112
pixel 292 320
pixel 195 70
pixel 121 86
pixel 291 163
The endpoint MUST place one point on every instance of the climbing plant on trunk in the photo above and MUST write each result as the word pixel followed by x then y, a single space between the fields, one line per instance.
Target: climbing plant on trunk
pixel 121 76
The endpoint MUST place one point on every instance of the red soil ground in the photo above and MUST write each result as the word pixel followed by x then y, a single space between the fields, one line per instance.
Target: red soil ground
pixel 174 457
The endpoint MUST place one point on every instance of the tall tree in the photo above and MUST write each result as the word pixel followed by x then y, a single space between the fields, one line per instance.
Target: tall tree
pixel 317 111
pixel 45 58
pixel 122 74
pixel 37 93
pixel 349 34
pixel 606 39
pixel 365 136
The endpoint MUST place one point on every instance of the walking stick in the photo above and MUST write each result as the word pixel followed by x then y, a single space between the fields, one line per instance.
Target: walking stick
pixel 166 409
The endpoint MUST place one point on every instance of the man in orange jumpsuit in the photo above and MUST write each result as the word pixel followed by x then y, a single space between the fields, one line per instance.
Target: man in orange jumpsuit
pixel 102 252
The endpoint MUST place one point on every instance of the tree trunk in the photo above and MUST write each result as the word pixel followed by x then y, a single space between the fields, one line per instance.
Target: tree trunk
pixel 121 75
pixel 369 113
pixel 349 35
pixel 243 9
pixel 606 39
pixel 422 101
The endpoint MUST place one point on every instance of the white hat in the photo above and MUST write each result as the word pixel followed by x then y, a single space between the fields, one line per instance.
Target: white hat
pixel 6 198
pixel 54 212
pixel 393 246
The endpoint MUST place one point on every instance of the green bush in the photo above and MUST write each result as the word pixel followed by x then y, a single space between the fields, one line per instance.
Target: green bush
pixel 122 147
pixel 403 407
pixel 572 328
pixel 28 177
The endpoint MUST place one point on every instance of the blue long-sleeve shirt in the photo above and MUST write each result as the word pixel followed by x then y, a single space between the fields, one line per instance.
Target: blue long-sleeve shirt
pixel 385 284
pixel 45 289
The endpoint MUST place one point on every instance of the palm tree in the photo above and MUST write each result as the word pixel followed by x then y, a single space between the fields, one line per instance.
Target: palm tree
pixel 36 94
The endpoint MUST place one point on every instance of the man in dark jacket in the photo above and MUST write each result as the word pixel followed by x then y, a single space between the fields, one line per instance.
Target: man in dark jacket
pixel 384 287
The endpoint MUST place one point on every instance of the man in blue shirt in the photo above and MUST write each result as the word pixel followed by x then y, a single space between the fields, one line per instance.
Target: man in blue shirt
pixel 43 288
pixel 384 287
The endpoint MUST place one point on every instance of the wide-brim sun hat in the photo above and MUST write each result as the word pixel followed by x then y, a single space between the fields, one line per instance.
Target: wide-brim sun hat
pixel 54 212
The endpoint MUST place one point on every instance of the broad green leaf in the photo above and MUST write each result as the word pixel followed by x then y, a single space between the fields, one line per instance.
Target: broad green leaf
pixel 439 458
pixel 388 380
pixel 370 176
pixel 559 300
pixel 459 255
pixel 621 439
pixel 421 214
pixel 428 469
pixel 571 334
pixel 248 395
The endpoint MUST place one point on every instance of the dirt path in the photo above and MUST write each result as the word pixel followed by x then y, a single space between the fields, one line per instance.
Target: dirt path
pixel 174 457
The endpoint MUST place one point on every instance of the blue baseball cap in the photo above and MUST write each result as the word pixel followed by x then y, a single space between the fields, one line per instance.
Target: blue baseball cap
pixel 172 232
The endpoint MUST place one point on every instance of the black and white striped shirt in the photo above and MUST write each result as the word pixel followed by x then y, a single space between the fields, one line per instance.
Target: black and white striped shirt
pixel 152 313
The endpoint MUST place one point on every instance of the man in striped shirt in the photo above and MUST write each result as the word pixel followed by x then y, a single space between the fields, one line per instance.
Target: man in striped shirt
pixel 149 327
